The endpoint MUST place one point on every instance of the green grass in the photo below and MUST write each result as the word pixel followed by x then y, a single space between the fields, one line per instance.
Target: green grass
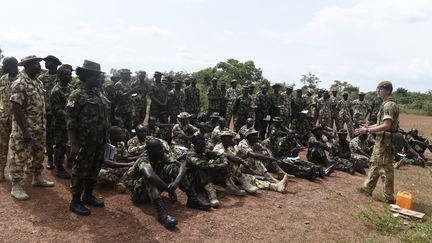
pixel 406 110
pixel 383 222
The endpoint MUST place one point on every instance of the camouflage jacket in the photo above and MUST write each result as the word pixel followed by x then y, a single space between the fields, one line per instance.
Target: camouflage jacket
pixel 232 94
pixel 344 107
pixel 123 105
pixel 339 148
pixel 48 81
pixel 178 130
pixel 176 101
pixel 357 145
pixel 214 98
pixel 5 94
pixel 140 101
pixel 242 106
pixel 360 107
pixel 135 146
pixel 334 101
pixel 264 103
pixel 204 160
pixel 192 100
pixel 58 100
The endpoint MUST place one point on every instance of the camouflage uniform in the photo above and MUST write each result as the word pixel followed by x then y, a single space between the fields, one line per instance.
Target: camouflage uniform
pixel 297 105
pixel 135 146
pixel 375 107
pixel 355 146
pixel 164 131
pixel 179 144
pixel 303 127
pixel 201 166
pixel 360 110
pixel 344 107
pixel 176 102
pixel 420 149
pixel 325 113
pixel 192 100
pixel 5 116
pixel 315 153
pixel 215 135
pixel 124 106
pixel 114 175
pixel 216 95
pixel 231 96
pixel 286 111
pixel 48 81
pixel 253 166
pixel 88 116
pixel 159 91
pixel 140 102
pixel 334 101
pixel 242 109
pixel 58 100
pixel 381 162
pixel 402 147
pixel 242 131
pixel 264 103
pixel 343 163
pixel 277 101
pixel 29 94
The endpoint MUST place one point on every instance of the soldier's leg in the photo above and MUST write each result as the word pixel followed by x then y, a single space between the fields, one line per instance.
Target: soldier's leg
pixel 374 170
pixel 229 113
pixel 36 162
pixel 388 176
pixel 95 167
pixel 60 151
pixel 142 191
pixel 49 138
pixel 20 154
pixel 5 129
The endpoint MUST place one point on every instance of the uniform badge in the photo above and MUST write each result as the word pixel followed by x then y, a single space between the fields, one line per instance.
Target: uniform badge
pixel 70 103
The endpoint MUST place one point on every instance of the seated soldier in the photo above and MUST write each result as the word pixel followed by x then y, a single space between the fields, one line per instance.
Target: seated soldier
pixel 182 134
pixel 215 135
pixel 249 125
pixel 119 123
pixel 303 127
pixel 316 151
pixel 404 153
pixel 341 154
pixel 359 149
pixel 116 160
pixel 257 158
pixel 164 127
pixel 136 145
pixel 214 120
pixel 153 173
pixel 153 130
pixel 277 125
pixel 418 143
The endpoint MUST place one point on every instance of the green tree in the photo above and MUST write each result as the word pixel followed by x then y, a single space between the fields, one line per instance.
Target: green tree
pixel 310 81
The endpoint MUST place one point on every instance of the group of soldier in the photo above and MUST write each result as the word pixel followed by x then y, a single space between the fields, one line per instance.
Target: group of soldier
pixel 96 127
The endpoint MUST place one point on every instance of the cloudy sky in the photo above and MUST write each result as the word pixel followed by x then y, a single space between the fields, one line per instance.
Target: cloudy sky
pixel 360 41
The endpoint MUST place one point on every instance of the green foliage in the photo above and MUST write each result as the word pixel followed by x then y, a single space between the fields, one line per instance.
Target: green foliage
pixel 420 232
pixel 414 102
pixel 344 86
pixel 385 223
pixel 310 81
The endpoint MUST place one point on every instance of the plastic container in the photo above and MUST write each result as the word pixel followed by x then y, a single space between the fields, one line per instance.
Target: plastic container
pixel 404 200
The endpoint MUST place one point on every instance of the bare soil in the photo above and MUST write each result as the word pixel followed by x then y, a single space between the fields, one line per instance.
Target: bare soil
pixel 324 210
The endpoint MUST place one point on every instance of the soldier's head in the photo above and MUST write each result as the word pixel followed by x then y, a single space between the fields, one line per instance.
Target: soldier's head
pixel 320 93
pixel 157 76
pixel 164 117
pixel 227 138
pixel 64 74
pixel 251 136
pixel 187 82
pixel 414 132
pixel 234 83
pixel 309 92
pixel 193 82
pixel 141 132
pixel 222 122
pixel 141 76
pixel 118 122
pixel 151 121
pixel 214 117
pixel 318 131
pixel 264 89
pixel 342 134
pixel 214 82
pixel 155 149
pixel 246 91
pixel 223 86
pixel 289 89
pixel 276 88
pixel 361 96
pixel 250 122
pixel 89 73
pixel 31 65
pixel 363 137
pixel 198 142
pixel 299 92
pixel 334 92
pixel 115 77
pixel 116 134
pixel 51 63
pixel 193 119
pixel 125 74
pixel 384 89
pixel 183 118
pixel 345 95
pixel 326 95
pixel 251 89
pixel 177 84
pixel 10 66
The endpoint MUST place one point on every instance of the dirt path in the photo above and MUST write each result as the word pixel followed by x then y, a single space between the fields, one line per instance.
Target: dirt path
pixel 321 211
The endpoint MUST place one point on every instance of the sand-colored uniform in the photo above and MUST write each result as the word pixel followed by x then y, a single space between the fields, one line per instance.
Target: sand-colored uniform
pixel 5 116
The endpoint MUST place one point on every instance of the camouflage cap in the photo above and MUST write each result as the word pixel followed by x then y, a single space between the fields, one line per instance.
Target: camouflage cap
pixel 250 132
pixel 215 115
pixel 214 79
pixel 277 119
pixel 290 87
pixel 29 59
pixel 333 89
pixel 90 66
pixel 234 81
pixel 342 132
pixel 362 94
pixel 345 93
pixel 183 115
pixel 157 73
pixel 66 66
pixel 246 87
pixel 124 70
pixel 140 72
pixel 385 84
pixel 276 85
pixel 299 90
pixel 177 81
pixel 187 80
pixel 54 59
pixel 227 133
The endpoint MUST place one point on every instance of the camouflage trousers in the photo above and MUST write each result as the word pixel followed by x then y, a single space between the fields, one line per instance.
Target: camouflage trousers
pixel 363 160
pixel 298 168
pixel 23 154
pixel 286 116
pixel 139 115
pixel 253 166
pixel 155 110
pixel 343 164
pixel 49 136
pixel 260 125
pixel 86 166
pixel 111 175
pixel 261 184
pixel 381 164
pixel 142 190
pixel 335 122
pixel 346 119
pixel 5 130
pixel 60 140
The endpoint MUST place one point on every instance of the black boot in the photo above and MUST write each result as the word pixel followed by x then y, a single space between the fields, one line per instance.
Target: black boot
pixel 330 170
pixel 194 202
pixel 61 172
pixel 89 199
pixel 50 164
pixel 77 207
pixel 164 217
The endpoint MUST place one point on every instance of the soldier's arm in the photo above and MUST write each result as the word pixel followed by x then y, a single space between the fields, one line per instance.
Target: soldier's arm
pixel 20 119
pixel 260 156
pixel 148 173
pixel 56 104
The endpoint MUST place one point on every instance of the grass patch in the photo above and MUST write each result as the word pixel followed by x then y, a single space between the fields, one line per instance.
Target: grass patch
pixel 406 110
pixel 384 222
pixel 419 233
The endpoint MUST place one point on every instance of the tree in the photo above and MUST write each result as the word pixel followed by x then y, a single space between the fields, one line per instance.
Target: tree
pixel 344 86
pixel 310 80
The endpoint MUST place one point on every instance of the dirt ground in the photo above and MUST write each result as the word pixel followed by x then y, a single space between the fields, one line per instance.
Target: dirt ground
pixel 324 210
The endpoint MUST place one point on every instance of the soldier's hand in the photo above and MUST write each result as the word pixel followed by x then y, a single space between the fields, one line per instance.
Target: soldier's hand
pixel 171 192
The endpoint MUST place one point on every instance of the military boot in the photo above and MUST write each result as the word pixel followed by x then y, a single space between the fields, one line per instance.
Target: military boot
pixel 247 186
pixel 270 178
pixel 89 199
pixel 39 181
pixel 61 172
pixel 18 192
pixel 2 176
pixel 329 170
pixel 50 164
pixel 211 192
pixel 77 207
pixel 280 186
pixel 232 189
pixel 194 202
pixel 164 216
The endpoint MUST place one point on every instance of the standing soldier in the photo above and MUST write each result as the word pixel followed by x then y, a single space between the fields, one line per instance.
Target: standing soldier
pixel 262 111
pixel 140 101
pixel 345 114
pixel 360 109
pixel 58 98
pixel 192 98
pixel 381 162
pixel 230 97
pixel 298 103
pixel 334 100
pixel 27 139
pixel 214 96
pixel 176 100
pixel 48 79
pixel 324 111
pixel 223 102
pixel 158 95
pixel 316 103
pixel 124 93
pixel 110 90
pixel 276 99
pixel 87 119
pixel 10 70
pixel 308 102
pixel 373 112
pixel 286 111
pixel 241 108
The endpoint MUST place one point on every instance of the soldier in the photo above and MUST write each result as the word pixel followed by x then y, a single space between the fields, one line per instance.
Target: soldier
pixel 27 139
pixel 360 109
pixel 223 102
pixel 176 100
pixel 110 91
pixel 276 99
pixel 124 92
pixel 140 101
pixel 217 131
pixel 374 108
pixel 136 145
pixel 316 103
pixel 153 129
pixel 87 117
pixel 182 133
pixel 241 108
pixel 302 126
pixel 325 111
pixel 158 96
pixel 308 102
pixel 262 116
pixel 248 126
pixel 418 143
pixel 381 162
pixel 341 154
pixel 359 150
pixel 345 114
pixel 404 153
pixel 48 79
pixel 153 173
pixel 316 151
pixel 278 127
pixel 164 127
pixel 187 82
pixel 334 100
pixel 193 98
pixel 10 72
pixel 214 96
pixel 230 98
pixel 298 103
pixel 286 111
pixel 58 100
